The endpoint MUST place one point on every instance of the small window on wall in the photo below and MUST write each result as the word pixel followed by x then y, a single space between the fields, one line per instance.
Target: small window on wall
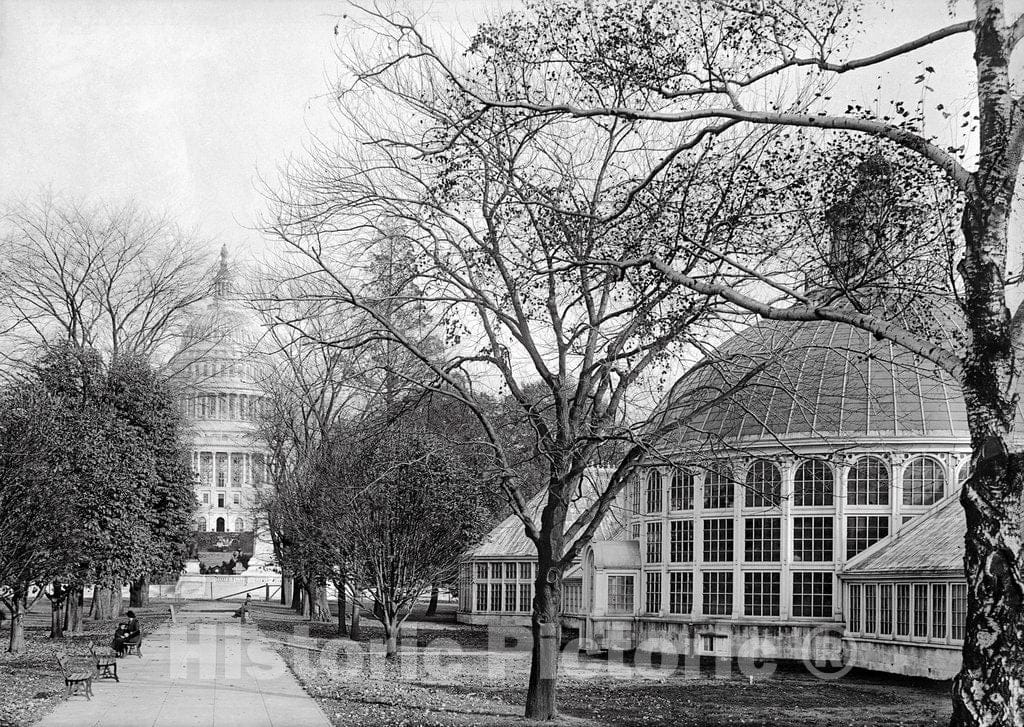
pixel 481 571
pixel 511 597
pixel 525 597
pixel 680 592
pixel 201 525
pixel 635 498
pixel 924 482
pixel 902 609
pixel 654 489
pixel 921 610
pixel 864 531
pixel 812 594
pixel 853 620
pixel 761 593
pixel 718 538
pixel 681 541
pixel 206 498
pixel 868 482
pixel 717 593
pixel 652 592
pixel 496 591
pixel 812 539
pixel 481 596
pixel 763 486
pixel 681 491
pixel 762 539
pixel 719 490
pixel 870 608
pixel 620 594
pixel 885 609
pixel 939 611
pixel 636 531
pixel 654 542
pixel 526 571
pixel 510 572
pixel 239 525
pixel 813 484
pixel 958 617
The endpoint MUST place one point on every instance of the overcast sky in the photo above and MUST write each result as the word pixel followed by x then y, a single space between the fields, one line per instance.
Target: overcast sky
pixel 180 104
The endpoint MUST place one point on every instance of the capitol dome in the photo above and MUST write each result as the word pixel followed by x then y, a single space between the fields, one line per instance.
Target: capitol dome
pixel 784 380
pixel 224 326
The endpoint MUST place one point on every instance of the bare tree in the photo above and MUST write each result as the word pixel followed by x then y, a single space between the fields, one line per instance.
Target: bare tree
pixel 112 278
pixel 503 218
pixel 700 70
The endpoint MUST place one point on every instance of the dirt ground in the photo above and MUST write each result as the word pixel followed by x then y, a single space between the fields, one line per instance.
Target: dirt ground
pixel 460 675
pixel 30 682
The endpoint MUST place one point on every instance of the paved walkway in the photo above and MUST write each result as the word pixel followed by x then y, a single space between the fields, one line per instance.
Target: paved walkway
pixel 207 670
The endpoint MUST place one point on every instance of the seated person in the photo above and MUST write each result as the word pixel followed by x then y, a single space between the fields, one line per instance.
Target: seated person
pixel 133 629
pixel 120 637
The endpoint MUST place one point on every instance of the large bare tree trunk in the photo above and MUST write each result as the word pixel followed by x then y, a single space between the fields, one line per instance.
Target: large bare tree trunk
pixel 340 585
pixel 286 589
pixel 16 644
pixel 432 606
pixel 353 632
pixel 390 640
pixel 138 594
pixel 76 600
pixel 101 603
pixel 545 625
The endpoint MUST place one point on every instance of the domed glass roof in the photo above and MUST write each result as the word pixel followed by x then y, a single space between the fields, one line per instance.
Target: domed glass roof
pixel 779 380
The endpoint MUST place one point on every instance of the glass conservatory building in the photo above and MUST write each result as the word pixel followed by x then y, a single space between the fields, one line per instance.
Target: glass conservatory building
pixel 777 501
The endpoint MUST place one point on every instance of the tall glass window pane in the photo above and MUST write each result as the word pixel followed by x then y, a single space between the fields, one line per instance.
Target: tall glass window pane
pixel 763 486
pixel 924 482
pixel 813 484
pixel 681 491
pixel 654 490
pixel 719 488
pixel 868 482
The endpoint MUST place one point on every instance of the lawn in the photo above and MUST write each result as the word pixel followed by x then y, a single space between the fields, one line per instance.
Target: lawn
pixel 469 679
pixel 30 682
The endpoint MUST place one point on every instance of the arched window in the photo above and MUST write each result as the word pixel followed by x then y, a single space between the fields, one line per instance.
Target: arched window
pixel 868 482
pixel 201 525
pixel 654 488
pixel 718 486
pixel 924 482
pixel 239 525
pixel 220 525
pixel 680 494
pixel 763 485
pixel 813 484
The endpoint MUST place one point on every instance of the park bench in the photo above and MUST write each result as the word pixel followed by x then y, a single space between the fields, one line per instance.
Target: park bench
pixel 106 664
pixel 73 680
pixel 134 646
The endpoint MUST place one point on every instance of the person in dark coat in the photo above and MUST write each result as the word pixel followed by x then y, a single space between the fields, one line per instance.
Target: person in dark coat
pixel 133 632
pixel 120 636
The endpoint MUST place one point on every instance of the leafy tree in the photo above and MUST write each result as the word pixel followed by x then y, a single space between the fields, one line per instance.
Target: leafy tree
pixel 35 515
pixel 119 468
pixel 401 507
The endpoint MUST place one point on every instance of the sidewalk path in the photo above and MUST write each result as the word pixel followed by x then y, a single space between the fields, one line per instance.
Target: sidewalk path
pixel 207 670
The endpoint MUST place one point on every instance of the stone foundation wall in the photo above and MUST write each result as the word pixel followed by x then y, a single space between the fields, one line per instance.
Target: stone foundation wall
pixel 919 660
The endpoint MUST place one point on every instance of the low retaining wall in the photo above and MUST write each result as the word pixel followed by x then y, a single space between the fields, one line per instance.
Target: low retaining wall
pixel 230 588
